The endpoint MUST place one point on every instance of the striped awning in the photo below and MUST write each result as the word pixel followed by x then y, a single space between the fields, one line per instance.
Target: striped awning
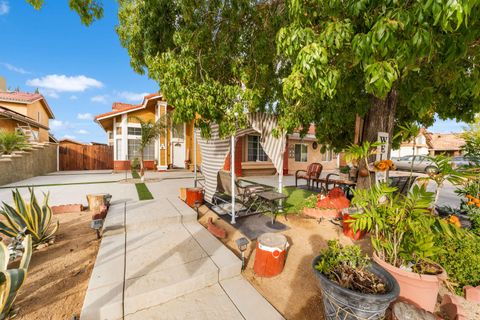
pixel 215 150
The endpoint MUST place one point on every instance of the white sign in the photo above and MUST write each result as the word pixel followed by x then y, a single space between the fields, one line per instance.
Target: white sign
pixel 382 150
pixel 382 154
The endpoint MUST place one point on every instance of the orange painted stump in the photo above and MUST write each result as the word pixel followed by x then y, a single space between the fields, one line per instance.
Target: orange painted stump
pixel 194 195
pixel 270 255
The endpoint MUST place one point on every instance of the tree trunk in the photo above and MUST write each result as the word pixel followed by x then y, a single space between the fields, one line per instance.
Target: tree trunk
pixel 380 118
pixel 142 170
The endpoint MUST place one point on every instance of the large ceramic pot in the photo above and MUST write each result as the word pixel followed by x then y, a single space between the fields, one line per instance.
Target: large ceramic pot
pixel 341 303
pixel 421 289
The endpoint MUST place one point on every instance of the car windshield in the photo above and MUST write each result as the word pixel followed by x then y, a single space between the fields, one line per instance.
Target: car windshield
pixel 406 158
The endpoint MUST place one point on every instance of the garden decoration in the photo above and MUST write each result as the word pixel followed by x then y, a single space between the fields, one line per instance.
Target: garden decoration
pixel 359 154
pixel 36 219
pixel 12 279
pixel 329 206
pixel 404 233
pixel 353 287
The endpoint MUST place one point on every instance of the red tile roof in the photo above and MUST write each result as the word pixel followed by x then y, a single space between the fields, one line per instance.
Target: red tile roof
pixel 446 141
pixel 122 106
pixel 20 96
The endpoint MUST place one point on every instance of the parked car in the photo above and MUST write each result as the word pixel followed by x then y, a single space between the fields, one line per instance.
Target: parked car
pixel 420 163
pixel 461 162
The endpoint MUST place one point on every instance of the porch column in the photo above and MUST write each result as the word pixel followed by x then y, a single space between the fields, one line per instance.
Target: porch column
pixel 163 140
pixel 115 139
pixel 124 150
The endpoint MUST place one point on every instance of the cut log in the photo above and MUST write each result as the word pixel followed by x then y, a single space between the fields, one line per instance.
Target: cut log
pixel 96 202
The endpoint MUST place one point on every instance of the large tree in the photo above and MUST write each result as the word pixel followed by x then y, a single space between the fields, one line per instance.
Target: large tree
pixel 214 58
pixel 389 62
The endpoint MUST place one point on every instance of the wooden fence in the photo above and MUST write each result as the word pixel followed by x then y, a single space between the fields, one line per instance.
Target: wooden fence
pixel 85 157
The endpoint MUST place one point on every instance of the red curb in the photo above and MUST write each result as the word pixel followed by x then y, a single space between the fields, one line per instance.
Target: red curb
pixel 67 208
pixel 215 230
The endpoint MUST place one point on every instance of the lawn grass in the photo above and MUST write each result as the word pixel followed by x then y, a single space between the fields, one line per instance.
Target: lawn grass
pixel 135 174
pixel 296 199
pixel 143 192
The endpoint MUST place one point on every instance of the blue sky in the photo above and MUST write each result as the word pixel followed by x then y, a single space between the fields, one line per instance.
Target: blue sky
pixel 81 70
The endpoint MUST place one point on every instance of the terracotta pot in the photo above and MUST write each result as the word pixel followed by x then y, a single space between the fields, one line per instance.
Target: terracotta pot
pixel 363 173
pixel 318 213
pixel 420 289
pixel 348 231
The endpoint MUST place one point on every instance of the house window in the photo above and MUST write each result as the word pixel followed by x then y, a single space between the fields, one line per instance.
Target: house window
pixel 110 135
pixel 119 149
pixel 421 139
pixel 134 131
pixel 119 130
pixel 255 150
pixel 300 152
pixel 328 155
pixel 134 150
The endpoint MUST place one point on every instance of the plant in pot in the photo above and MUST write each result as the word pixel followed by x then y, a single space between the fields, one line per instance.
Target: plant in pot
pixel 403 236
pixel 312 207
pixel 344 173
pixel 353 287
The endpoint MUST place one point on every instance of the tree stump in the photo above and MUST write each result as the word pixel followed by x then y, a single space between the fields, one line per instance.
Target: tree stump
pixel 96 202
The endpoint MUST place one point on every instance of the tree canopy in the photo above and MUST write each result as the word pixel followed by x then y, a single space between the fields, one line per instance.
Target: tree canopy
pixel 211 58
pixel 418 58
pixel 88 10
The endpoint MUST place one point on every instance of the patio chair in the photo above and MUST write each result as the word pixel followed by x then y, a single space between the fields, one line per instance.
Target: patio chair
pixel 313 172
pixel 245 194
pixel 403 184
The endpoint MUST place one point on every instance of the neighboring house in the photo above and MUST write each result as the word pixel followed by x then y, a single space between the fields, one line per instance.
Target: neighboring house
pixel 450 144
pixel 422 146
pixel 174 149
pixel 26 112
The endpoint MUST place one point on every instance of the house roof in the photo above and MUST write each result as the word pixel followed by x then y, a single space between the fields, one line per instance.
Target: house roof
pixel 10 114
pixel 25 98
pixel 71 141
pixel 121 108
pixel 446 141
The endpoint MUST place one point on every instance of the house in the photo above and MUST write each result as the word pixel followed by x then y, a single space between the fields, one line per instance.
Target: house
pixel 422 146
pixel 26 112
pixel 175 148
pixel 450 144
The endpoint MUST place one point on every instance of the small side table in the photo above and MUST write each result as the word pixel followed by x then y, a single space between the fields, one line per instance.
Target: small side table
pixel 271 201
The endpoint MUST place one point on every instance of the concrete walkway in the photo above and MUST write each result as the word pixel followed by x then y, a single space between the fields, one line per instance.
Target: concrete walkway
pixel 157 262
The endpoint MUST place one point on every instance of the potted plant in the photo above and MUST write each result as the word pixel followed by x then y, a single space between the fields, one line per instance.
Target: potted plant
pixel 403 235
pixel 345 173
pixel 353 287
pixel 311 208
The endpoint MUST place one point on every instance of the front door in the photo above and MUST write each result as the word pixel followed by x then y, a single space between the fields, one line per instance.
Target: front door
pixel 178 145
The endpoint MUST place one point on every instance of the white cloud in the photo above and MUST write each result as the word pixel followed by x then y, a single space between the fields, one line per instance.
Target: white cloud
pixel 63 83
pixel 9 66
pixel 59 125
pixel 132 96
pixel 100 98
pixel 73 97
pixel 50 94
pixel 68 136
pixel 84 116
pixel 4 8
pixel 81 131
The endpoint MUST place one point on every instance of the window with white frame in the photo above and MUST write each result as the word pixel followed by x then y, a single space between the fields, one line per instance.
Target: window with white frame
pixel 254 149
pixel 118 147
pixel 134 131
pixel 300 152
pixel 134 150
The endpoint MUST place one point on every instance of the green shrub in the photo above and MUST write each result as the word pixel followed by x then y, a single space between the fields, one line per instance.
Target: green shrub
pixel 12 279
pixel 11 141
pixel 29 218
pixel 461 259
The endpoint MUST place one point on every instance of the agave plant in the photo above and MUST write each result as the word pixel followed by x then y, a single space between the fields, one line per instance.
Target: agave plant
pixel 30 218
pixel 12 279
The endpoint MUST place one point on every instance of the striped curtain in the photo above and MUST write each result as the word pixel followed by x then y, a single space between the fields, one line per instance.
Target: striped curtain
pixel 215 150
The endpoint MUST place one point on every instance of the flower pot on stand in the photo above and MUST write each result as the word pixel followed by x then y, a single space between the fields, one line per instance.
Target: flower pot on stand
pixel 342 303
pixel 420 289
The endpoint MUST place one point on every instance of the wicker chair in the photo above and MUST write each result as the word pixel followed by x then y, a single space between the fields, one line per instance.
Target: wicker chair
pixel 313 172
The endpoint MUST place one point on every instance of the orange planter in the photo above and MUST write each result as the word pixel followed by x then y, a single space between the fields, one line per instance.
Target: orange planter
pixel 318 213
pixel 420 289
pixel 194 195
pixel 348 231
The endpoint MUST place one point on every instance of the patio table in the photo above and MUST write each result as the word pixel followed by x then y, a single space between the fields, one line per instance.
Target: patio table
pixel 271 201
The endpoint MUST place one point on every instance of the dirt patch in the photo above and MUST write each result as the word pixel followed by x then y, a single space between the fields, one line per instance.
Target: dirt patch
pixel 58 274
pixel 294 293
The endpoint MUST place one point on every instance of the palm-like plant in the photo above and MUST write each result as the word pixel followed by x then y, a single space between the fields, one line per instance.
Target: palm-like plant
pixel 12 279
pixel 149 132
pixel 29 218
pixel 359 154
pixel 11 141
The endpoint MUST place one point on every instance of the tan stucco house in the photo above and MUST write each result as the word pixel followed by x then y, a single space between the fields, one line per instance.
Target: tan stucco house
pixel 24 111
